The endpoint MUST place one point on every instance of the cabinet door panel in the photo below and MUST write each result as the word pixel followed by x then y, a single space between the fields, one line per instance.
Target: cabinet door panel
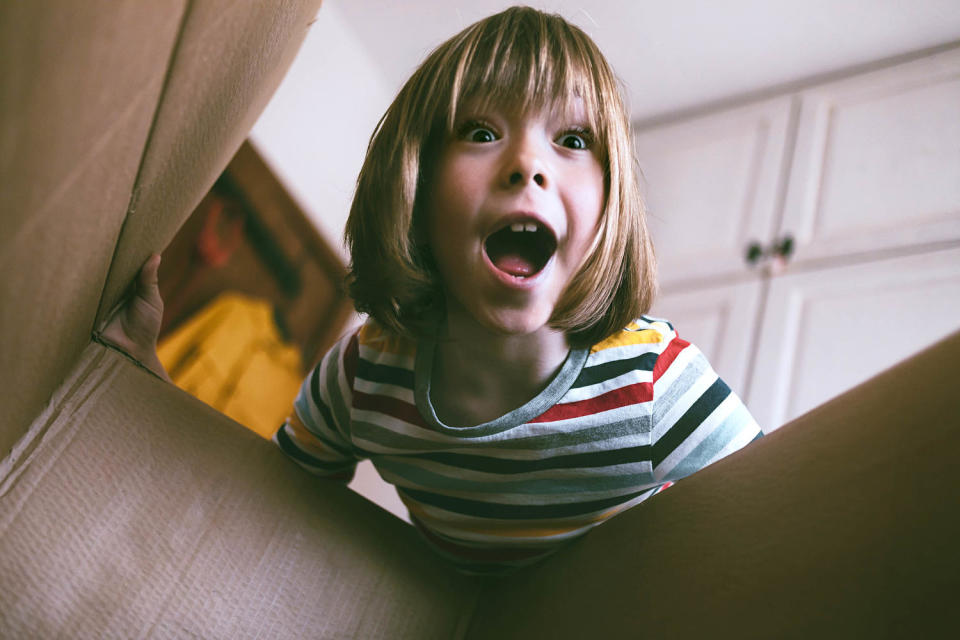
pixel 711 187
pixel 826 331
pixel 877 162
pixel 721 321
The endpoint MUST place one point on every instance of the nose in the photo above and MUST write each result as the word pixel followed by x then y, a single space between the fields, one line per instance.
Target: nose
pixel 518 177
pixel 524 165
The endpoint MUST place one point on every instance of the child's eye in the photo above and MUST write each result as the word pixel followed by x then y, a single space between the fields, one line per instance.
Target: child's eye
pixel 477 132
pixel 576 139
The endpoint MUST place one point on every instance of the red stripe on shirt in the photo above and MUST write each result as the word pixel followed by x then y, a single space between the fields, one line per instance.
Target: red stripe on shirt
pixel 630 394
pixel 668 356
pixel 388 405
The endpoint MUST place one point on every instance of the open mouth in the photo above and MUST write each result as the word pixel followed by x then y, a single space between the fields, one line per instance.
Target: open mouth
pixel 521 249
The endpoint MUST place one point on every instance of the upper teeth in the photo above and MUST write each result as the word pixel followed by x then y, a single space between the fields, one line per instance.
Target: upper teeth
pixel 521 226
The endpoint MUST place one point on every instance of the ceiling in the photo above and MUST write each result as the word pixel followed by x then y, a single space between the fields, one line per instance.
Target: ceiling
pixel 674 55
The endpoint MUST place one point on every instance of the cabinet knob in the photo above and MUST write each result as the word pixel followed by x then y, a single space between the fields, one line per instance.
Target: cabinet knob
pixel 784 248
pixel 780 251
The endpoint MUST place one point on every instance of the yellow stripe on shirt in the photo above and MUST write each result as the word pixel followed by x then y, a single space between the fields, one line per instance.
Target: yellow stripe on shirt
pixel 627 337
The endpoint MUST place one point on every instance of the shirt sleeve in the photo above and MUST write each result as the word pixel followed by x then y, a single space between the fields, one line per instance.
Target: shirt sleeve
pixel 316 435
pixel 697 419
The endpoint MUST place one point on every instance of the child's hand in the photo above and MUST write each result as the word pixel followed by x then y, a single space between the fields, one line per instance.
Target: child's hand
pixel 135 327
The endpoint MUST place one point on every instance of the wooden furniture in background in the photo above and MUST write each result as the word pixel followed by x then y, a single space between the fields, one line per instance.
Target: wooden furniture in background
pixel 248 235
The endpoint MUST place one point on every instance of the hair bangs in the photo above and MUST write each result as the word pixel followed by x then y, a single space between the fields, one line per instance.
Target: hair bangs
pixel 527 61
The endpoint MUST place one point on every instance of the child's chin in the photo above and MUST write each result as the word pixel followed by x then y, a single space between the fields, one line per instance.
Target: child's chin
pixel 518 323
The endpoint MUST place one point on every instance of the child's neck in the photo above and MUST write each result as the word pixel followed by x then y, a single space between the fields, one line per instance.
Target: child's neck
pixel 479 376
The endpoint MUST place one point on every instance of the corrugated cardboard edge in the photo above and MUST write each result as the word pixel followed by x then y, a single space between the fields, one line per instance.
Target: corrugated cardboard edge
pixel 57 423
pixel 77 135
pixel 194 581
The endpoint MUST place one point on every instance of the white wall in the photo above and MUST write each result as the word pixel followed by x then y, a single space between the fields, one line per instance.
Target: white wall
pixel 315 130
pixel 682 53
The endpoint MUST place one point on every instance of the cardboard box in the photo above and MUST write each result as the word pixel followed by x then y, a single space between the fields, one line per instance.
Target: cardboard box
pixel 129 509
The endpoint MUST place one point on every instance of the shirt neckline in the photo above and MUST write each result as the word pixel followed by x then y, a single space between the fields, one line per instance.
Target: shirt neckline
pixel 555 390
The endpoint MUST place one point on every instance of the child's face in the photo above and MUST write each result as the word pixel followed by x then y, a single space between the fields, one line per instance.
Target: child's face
pixel 513 209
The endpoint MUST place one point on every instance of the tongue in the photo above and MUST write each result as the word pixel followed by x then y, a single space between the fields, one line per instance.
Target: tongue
pixel 515 265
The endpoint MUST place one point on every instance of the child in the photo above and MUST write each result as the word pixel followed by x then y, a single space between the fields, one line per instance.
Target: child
pixel 506 381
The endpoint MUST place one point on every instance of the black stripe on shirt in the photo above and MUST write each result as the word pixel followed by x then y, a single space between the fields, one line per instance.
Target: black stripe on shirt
pixel 318 401
pixel 689 421
pixel 650 320
pixel 384 374
pixel 325 414
pixel 570 461
pixel 399 442
pixel 609 370
pixel 289 447
pixel 517 511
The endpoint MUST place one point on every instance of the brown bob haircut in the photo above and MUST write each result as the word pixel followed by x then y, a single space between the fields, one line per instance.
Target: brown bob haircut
pixel 525 59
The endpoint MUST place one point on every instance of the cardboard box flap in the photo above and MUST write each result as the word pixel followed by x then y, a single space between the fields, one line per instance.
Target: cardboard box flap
pixel 141 512
pixel 80 85
pixel 841 524
pixel 229 59
pixel 115 119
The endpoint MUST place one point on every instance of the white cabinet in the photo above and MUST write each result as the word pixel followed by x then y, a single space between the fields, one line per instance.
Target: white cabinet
pixel 711 187
pixel 863 174
pixel 825 331
pixel 877 162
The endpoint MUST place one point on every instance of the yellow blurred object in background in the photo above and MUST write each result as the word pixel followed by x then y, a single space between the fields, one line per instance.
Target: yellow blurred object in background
pixel 231 356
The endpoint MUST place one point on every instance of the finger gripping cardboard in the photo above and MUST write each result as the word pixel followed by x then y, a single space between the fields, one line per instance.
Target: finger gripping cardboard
pixel 129 509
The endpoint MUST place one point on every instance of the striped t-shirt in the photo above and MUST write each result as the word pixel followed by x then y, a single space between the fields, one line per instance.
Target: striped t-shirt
pixel 620 422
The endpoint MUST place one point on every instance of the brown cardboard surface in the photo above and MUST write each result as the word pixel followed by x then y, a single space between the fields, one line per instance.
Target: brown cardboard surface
pixel 229 59
pixel 841 524
pixel 78 89
pixel 129 509
pixel 133 510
